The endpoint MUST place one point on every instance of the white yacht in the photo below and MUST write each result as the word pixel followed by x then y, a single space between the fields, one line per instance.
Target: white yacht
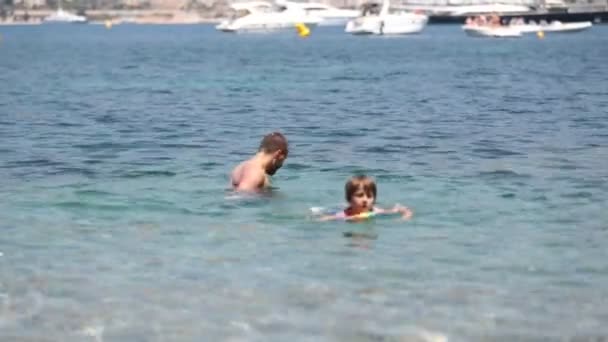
pixel 332 16
pixel 383 20
pixel 61 16
pixel 264 16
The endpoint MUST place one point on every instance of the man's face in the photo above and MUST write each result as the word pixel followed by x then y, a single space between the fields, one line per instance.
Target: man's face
pixel 276 163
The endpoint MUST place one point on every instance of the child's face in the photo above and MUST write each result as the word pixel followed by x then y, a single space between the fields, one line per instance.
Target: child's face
pixel 362 200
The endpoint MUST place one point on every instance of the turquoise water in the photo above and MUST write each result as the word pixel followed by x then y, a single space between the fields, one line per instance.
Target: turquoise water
pixel 117 224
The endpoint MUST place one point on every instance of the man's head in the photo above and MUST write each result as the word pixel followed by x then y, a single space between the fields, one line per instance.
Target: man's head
pixel 274 145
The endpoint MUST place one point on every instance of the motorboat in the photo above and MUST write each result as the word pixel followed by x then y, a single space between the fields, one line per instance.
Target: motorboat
pixel 379 19
pixel 264 16
pixel 331 16
pixel 61 16
pixel 490 26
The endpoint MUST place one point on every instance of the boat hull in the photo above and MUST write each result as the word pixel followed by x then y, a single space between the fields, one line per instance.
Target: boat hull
pixel 566 27
pixel 334 21
pixel 261 27
pixel 554 27
pixel 63 22
pixel 565 17
pixel 387 25
pixel 492 32
pixel 64 17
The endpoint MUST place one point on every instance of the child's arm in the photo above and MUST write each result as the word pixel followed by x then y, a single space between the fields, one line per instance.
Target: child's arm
pixel 405 212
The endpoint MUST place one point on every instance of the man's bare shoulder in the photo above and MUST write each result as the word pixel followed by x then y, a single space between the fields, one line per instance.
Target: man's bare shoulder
pixel 237 169
pixel 248 176
pixel 237 173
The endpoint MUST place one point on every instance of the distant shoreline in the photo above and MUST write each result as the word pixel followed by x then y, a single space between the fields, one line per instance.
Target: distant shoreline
pixel 181 17
pixel 115 17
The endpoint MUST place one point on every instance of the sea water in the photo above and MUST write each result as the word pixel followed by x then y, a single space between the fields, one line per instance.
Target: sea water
pixel 117 223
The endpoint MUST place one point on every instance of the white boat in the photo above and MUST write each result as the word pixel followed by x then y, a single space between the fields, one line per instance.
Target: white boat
pixel 331 16
pixel 466 10
pixel 386 21
pixel 61 16
pixel 492 31
pixel 264 16
pixel 480 9
pixel 554 26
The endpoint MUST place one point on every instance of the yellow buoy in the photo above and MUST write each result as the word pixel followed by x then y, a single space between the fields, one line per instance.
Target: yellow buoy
pixel 540 34
pixel 303 30
pixel 108 24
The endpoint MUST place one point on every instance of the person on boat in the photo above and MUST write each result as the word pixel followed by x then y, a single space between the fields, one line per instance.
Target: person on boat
pixel 361 193
pixel 494 20
pixel 254 173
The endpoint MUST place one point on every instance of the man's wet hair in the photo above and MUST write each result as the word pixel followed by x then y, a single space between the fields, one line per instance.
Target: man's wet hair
pixel 273 142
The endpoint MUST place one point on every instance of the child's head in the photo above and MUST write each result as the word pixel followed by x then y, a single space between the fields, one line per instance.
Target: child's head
pixel 360 192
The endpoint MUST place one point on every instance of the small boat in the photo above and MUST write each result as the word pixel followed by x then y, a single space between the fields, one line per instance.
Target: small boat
pixel 492 31
pixel 61 16
pixel 263 16
pixel 383 20
pixel 331 16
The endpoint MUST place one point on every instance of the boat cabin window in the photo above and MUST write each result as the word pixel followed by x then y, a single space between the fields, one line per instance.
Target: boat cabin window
pixel 312 9
pixel 370 9
pixel 280 8
pixel 263 9
pixel 315 10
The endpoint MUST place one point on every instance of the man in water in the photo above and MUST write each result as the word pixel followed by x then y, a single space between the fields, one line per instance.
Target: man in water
pixel 253 174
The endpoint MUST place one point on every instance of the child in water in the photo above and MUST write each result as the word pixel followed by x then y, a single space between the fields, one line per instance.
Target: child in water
pixel 360 193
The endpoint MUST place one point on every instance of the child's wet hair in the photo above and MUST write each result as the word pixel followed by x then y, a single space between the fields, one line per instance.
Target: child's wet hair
pixel 359 182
